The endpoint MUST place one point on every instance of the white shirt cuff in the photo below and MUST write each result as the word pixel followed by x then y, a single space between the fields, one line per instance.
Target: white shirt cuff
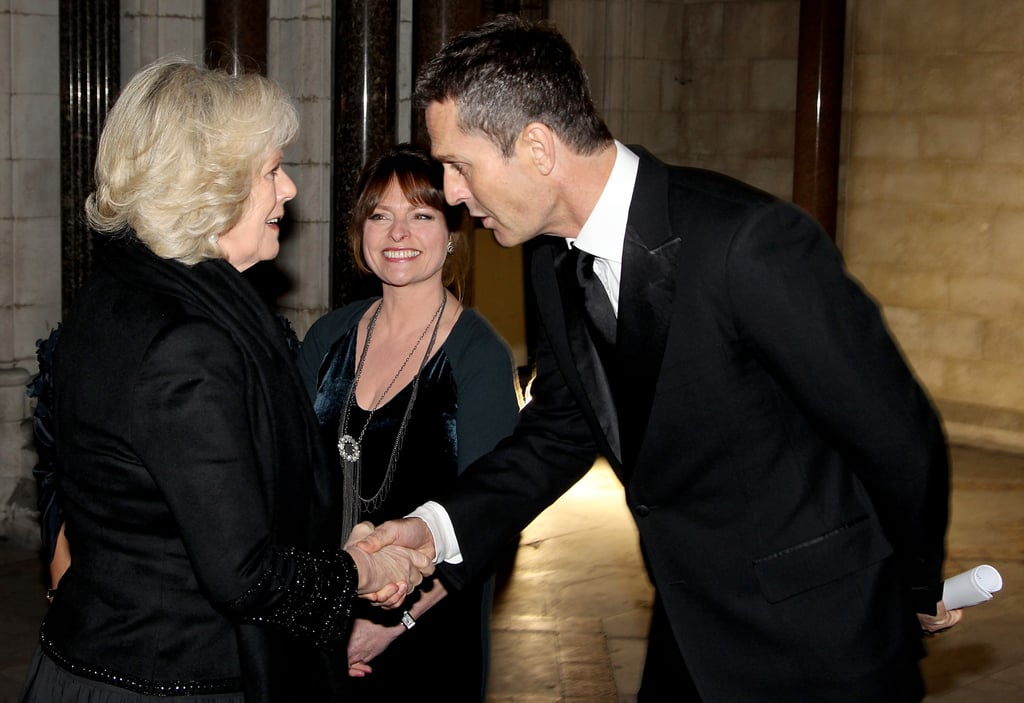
pixel 446 545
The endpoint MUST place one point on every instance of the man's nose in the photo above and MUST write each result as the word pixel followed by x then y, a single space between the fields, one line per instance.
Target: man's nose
pixel 455 191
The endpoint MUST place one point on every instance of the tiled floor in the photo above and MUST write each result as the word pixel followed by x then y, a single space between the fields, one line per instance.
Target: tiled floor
pixel 571 618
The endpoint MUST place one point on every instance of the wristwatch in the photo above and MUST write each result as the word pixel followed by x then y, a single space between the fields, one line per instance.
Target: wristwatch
pixel 408 620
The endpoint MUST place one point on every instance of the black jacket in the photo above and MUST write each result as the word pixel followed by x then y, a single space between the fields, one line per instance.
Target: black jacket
pixel 788 475
pixel 201 512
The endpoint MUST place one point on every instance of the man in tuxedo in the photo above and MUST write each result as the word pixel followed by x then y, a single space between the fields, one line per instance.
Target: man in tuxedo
pixel 788 475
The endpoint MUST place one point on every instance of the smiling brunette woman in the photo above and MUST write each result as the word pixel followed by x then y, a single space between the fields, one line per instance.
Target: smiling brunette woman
pixel 199 508
pixel 409 389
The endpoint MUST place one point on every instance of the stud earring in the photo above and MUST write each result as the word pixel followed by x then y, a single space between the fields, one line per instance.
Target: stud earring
pixel 213 239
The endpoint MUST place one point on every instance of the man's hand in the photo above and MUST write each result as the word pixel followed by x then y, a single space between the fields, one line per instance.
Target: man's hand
pixel 407 532
pixel 941 621
pixel 387 574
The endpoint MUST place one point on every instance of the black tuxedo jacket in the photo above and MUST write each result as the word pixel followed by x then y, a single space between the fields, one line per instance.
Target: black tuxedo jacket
pixel 788 475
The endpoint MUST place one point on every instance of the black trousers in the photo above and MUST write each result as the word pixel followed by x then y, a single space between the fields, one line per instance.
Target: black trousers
pixel 666 678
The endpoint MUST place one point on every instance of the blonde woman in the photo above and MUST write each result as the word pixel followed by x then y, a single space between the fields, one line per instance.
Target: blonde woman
pixel 199 509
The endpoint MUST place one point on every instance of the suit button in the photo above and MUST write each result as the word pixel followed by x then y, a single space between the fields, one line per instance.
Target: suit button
pixel 642 511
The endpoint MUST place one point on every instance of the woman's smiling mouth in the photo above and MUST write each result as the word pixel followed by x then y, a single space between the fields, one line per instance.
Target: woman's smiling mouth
pixel 399 254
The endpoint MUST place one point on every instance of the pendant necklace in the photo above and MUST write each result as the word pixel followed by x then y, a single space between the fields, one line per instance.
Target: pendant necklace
pixel 350 448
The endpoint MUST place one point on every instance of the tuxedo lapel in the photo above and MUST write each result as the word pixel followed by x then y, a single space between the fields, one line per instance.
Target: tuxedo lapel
pixel 647 289
pixel 645 301
pixel 582 354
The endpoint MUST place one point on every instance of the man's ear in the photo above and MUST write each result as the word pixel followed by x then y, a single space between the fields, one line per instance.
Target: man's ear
pixel 538 146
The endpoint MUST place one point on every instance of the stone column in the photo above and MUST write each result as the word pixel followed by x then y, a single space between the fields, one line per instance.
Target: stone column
pixel 363 105
pixel 90 61
pixel 236 40
pixel 434 24
pixel 236 30
pixel 819 109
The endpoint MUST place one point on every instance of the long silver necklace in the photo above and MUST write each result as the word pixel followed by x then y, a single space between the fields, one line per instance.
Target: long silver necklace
pixel 350 448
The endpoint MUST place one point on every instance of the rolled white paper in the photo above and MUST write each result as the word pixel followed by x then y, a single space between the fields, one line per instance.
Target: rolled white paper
pixel 971 587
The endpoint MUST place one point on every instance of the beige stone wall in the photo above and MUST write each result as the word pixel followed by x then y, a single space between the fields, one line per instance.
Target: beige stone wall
pixel 299 56
pixel 29 237
pixel 934 199
pixel 709 84
pixel 932 188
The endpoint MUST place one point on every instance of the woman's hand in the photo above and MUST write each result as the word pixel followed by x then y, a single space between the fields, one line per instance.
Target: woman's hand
pixel 389 574
pixel 367 641
pixel 59 564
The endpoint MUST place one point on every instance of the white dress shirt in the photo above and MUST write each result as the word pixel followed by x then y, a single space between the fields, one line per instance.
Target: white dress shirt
pixel 602 235
pixel 605 229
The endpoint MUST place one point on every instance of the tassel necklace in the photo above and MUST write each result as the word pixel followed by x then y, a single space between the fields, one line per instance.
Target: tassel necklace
pixel 350 448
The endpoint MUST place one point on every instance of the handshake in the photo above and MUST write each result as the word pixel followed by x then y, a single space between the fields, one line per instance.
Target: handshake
pixel 391 559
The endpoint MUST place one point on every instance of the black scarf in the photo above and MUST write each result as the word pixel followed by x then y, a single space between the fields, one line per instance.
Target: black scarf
pixel 284 429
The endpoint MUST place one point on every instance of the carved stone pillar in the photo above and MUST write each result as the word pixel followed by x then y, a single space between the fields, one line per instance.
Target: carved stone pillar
pixel 819 109
pixel 236 29
pixel 434 25
pixel 90 78
pixel 235 36
pixel 363 107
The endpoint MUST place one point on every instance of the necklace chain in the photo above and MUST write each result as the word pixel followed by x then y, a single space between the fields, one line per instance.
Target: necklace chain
pixel 350 448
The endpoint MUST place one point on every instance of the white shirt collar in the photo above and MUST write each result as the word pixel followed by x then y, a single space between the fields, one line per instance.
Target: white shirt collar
pixel 605 230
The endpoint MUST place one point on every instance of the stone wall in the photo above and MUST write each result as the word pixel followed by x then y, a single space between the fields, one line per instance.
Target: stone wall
pixel 709 84
pixel 934 211
pixel 29 237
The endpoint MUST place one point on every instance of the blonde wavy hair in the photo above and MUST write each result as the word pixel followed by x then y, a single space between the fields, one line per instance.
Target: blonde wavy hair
pixel 179 151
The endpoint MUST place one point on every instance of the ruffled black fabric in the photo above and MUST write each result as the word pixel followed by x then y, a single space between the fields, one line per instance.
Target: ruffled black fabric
pixel 51 515
pixel 291 340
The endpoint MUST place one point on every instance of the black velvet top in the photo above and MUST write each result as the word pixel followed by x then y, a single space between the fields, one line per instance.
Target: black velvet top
pixel 477 359
pixel 426 463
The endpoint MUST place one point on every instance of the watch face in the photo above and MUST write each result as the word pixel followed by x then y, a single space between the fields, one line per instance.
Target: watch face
pixel 408 620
